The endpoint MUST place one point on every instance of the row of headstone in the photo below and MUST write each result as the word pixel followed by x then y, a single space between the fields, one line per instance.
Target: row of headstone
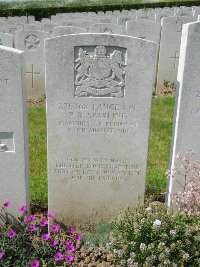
pixel 99 90
pixel 29 35
pixel 97 86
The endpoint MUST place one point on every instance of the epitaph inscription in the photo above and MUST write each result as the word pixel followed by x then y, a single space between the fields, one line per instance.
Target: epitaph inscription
pixel 97 169
pixel 100 71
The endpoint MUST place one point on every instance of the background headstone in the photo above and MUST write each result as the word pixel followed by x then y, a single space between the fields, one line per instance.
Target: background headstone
pixel 149 30
pixel 65 30
pixel 32 42
pixel 14 178
pixel 106 28
pixel 6 39
pixel 169 51
pixel 186 127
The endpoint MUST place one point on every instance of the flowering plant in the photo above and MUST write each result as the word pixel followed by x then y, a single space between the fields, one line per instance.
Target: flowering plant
pixel 150 236
pixel 187 175
pixel 26 241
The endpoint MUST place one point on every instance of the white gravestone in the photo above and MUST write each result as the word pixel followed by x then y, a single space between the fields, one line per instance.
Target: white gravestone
pixel 149 30
pixel 106 28
pixel 48 27
pixel 169 51
pixel 14 178
pixel 6 39
pixel 123 20
pixel 66 30
pixel 186 127
pixel 11 29
pixel 32 42
pixel 99 90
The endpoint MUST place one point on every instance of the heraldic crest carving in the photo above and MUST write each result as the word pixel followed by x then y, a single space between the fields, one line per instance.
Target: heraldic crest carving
pixel 98 74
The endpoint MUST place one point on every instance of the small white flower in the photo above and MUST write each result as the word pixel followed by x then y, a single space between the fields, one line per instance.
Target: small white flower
pixel 172 232
pixel 143 246
pixel 132 255
pixel 148 209
pixel 157 223
pixel 129 261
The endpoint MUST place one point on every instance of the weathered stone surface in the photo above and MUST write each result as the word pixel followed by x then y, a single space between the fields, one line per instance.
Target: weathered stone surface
pixel 6 39
pixel 14 179
pixel 149 30
pixel 99 90
pixel 66 30
pixel 187 111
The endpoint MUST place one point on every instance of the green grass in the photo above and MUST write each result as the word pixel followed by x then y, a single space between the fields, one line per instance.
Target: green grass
pixel 159 143
pixel 38 154
pixel 159 148
pixel 100 235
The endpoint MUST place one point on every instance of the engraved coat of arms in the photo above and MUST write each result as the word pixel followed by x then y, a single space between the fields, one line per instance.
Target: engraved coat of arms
pixel 99 74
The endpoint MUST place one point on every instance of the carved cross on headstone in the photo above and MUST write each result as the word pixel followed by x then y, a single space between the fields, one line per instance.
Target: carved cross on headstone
pixel 33 75
pixel 2 147
pixel 175 57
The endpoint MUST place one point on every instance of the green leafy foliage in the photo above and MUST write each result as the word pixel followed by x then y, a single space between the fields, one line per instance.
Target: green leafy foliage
pixel 150 236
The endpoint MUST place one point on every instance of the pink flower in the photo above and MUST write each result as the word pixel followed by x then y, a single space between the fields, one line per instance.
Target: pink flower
pixel 1 255
pixel 29 218
pixel 45 236
pixel 58 256
pixel 22 209
pixel 55 228
pixel 11 233
pixel 35 263
pixel 43 223
pixel 66 243
pixel 6 204
pixel 77 237
pixel 69 258
pixel 50 215
pixel 70 229
pixel 32 227
pixel 54 243
pixel 70 248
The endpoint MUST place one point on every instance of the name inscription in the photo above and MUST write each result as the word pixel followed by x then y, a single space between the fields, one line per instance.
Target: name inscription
pixel 98 118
